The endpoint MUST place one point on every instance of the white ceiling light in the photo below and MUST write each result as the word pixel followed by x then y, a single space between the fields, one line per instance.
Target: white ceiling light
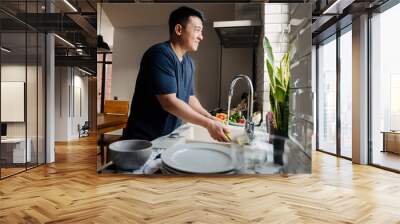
pixel 70 5
pixel 65 41
pixel 5 50
pixel 86 72
pixel 338 6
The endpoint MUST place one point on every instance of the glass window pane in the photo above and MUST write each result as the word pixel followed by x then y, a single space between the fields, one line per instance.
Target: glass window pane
pixel 41 98
pixel 108 82
pixel 14 152
pixel 99 57
pixel 109 57
pixel 346 94
pixel 327 96
pixel 108 78
pixel 31 98
pixel 385 116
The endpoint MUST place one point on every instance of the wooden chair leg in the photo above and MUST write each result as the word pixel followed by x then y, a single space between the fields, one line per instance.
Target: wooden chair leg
pixel 102 148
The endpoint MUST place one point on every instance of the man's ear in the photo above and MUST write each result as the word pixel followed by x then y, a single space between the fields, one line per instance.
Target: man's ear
pixel 178 29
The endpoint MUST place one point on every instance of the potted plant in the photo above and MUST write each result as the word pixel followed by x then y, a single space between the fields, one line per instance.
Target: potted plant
pixel 279 76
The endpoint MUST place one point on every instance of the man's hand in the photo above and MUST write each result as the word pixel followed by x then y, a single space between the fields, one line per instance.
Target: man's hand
pixel 180 109
pixel 214 118
pixel 218 131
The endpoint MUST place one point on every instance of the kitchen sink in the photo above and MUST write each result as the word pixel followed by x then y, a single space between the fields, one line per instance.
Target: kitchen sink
pixel 199 134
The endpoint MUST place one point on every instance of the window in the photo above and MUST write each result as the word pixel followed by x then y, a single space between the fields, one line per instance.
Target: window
pixel 385 89
pixel 335 74
pixel 346 93
pixel 22 75
pixel 327 96
pixel 104 60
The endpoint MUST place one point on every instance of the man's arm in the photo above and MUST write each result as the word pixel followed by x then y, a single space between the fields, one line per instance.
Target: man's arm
pixel 196 105
pixel 177 107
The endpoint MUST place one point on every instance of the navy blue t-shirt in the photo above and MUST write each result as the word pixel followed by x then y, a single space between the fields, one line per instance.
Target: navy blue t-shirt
pixel 160 72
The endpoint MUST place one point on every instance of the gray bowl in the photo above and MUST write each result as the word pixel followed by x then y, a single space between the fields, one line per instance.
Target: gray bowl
pixel 130 154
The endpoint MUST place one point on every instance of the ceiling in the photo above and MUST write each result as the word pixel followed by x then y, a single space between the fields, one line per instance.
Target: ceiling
pixel 142 14
pixel 326 22
pixel 76 24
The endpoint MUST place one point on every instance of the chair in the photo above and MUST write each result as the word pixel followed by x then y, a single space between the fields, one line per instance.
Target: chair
pixel 117 107
pixel 112 107
pixel 84 130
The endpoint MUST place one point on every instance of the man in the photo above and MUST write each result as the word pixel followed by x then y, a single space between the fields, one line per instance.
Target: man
pixel 164 93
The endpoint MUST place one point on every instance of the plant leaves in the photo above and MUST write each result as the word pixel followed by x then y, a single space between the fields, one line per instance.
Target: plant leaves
pixel 279 76
pixel 268 50
pixel 271 75
pixel 280 93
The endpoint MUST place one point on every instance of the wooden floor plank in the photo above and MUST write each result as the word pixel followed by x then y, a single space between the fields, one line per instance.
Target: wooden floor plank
pixel 70 191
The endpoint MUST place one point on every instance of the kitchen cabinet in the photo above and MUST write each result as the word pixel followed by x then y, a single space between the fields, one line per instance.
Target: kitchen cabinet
pixel 391 142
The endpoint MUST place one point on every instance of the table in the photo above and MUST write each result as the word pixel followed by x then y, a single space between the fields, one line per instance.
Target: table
pixel 391 141
pixel 13 150
pixel 107 123
pixel 110 122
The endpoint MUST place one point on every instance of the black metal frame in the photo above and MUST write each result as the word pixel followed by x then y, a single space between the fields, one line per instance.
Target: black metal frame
pixel 339 32
pixel 103 83
pixel 36 164
pixel 316 97
pixel 338 98
pixel 369 114
pixel 103 77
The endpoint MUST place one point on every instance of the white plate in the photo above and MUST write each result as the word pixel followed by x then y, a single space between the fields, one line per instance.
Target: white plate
pixel 170 170
pixel 200 158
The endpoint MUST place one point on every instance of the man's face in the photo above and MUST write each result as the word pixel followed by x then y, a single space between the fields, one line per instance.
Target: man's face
pixel 191 34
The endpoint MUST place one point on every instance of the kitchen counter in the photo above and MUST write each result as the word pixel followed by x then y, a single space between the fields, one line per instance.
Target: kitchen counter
pixel 256 158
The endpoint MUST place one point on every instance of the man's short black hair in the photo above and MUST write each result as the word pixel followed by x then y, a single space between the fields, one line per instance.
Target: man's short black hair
pixel 181 16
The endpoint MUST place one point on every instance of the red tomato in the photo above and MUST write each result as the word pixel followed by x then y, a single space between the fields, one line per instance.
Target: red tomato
pixel 241 121
pixel 221 117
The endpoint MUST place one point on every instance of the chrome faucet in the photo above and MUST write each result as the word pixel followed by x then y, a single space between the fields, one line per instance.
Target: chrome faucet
pixel 249 126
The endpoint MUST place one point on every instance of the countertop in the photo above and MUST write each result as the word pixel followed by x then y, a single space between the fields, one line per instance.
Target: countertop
pixel 257 158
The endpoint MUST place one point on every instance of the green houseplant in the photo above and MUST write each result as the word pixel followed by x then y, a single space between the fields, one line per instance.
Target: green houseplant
pixel 279 80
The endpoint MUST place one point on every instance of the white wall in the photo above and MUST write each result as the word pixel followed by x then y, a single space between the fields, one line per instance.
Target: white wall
pixel 131 43
pixel 15 72
pixel 276 23
pixel 81 104
pixel 105 27
pixel 33 126
pixel 61 103
pixel 301 124
pixel 67 115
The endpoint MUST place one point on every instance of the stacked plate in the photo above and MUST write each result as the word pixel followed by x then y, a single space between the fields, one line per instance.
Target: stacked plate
pixel 197 158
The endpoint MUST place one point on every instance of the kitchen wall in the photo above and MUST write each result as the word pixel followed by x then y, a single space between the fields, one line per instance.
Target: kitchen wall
pixel 301 98
pixel 288 26
pixel 131 42
pixel 276 22
pixel 71 102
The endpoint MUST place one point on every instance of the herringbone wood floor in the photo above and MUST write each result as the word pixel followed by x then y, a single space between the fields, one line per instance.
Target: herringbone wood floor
pixel 69 191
